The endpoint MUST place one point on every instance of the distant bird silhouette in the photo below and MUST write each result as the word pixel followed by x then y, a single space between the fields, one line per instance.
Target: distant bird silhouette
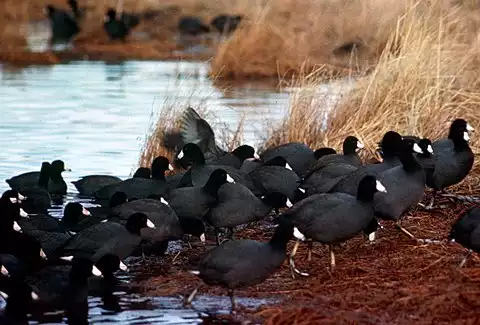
pixel 226 24
pixel 116 29
pixel 192 26
pixel 63 26
pixel 78 13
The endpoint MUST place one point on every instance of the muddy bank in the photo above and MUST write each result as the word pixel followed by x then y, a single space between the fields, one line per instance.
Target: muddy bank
pixel 395 280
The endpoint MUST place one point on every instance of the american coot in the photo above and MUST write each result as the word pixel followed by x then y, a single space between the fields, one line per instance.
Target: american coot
pixel 405 183
pixel 192 26
pixel 87 185
pixel 115 28
pixel 199 172
pixel 63 285
pixel 63 26
pixel 237 205
pixel 72 214
pixel 194 129
pixel 466 232
pixel 18 296
pixel 101 213
pixel 167 224
pixel 245 262
pixel 57 184
pixel 33 178
pixel 453 158
pixel 351 146
pixel 226 23
pixel 38 197
pixel 299 155
pixel 108 237
pixel 140 187
pixel 334 218
pixel 195 202
pixel 390 146
pixel 236 158
pixel 78 13
pixel 275 175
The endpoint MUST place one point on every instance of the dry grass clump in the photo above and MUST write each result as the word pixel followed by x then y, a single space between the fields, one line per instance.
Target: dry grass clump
pixel 286 37
pixel 426 77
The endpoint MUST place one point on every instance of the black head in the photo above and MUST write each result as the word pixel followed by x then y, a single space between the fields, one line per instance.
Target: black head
pixel 159 166
pixel 367 188
pixel 284 233
pixel 13 195
pixel 191 154
pixel 110 15
pixel 73 213
pixel 244 152
pixel 459 132
pixel 426 146
pixel 82 269
pixel 193 226
pixel 217 179
pixel 118 198
pixel 351 145
pixel 142 172
pixel 408 148
pixel 319 153
pixel 300 194
pixel 138 221
pixel 276 200
pixel 278 161
pixel 26 248
pixel 58 166
pixel 391 144
pixel 109 264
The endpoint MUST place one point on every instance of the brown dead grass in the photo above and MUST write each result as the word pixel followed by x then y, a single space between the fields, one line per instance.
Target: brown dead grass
pixel 426 77
pixel 287 37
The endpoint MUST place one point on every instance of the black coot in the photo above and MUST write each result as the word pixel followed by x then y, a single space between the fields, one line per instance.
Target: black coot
pixel 192 26
pixel 466 232
pixel 299 155
pixel 115 28
pixel 199 172
pixel 226 24
pixel 405 183
pixel 334 218
pixel 236 158
pixel 275 175
pixel 63 26
pixel 453 158
pixel 87 185
pixel 237 205
pixel 240 263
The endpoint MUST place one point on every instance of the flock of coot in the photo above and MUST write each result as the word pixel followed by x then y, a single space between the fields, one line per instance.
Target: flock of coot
pixel 314 196
pixel 67 24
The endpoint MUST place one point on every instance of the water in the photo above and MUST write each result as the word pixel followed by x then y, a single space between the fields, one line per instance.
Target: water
pixel 94 116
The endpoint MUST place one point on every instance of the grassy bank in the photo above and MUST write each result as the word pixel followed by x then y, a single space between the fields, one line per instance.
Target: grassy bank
pixel 426 77
pixel 154 38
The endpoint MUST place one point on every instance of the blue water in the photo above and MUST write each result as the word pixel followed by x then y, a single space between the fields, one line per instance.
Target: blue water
pixel 95 116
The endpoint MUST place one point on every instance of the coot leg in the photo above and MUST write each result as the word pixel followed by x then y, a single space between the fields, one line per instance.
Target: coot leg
pixel 405 231
pixel 332 257
pixel 462 264
pixel 232 299
pixel 189 299
pixel 293 269
pixel 217 236
pixel 310 247
pixel 232 233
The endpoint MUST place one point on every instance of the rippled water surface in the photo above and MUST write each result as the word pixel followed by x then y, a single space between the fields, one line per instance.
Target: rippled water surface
pixel 95 116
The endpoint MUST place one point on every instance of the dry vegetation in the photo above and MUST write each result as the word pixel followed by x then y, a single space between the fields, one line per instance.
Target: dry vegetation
pixel 154 38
